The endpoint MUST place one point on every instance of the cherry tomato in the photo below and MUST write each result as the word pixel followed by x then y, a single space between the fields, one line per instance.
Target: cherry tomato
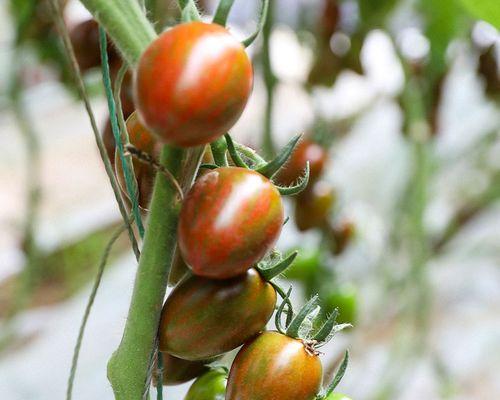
pixel 305 266
pixel 141 138
pixel 193 83
pixel 203 318
pixel 313 206
pixel 343 235
pixel 337 396
pixel 177 371
pixel 274 367
pixel 229 220
pixel 85 40
pixel 210 386
pixel 345 298
pixel 305 151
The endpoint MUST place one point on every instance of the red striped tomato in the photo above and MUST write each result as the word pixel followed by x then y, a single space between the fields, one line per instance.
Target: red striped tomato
pixel 192 83
pixel 274 367
pixel 229 220
pixel 203 318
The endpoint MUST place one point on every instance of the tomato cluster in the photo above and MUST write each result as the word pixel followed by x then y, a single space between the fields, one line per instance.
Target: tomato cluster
pixel 191 86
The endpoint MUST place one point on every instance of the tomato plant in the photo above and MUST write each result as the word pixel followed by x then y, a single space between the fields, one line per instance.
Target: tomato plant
pixel 203 318
pixel 141 138
pixel 192 83
pixel 210 386
pixel 229 220
pixel 306 266
pixel 275 366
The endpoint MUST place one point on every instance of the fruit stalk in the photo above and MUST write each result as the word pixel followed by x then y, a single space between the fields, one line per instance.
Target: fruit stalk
pixel 128 368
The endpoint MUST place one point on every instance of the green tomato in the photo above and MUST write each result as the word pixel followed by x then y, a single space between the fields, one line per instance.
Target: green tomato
pixel 345 298
pixel 209 386
pixel 337 396
pixel 305 266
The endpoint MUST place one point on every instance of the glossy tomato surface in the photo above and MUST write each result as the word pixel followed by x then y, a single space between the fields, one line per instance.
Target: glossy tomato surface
pixel 210 386
pixel 274 367
pixel 177 371
pixel 306 150
pixel 229 220
pixel 203 318
pixel 192 83
pixel 141 138
pixel 313 206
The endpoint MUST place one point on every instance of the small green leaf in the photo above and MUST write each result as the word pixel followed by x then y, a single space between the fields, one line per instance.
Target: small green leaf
pixel 262 20
pixel 278 268
pixel 279 312
pixel 487 10
pixel 273 166
pixel 309 308
pixel 327 327
pixel 235 156
pixel 339 375
pixel 299 187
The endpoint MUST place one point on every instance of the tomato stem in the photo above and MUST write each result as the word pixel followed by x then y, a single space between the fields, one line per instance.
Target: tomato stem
pixel 125 23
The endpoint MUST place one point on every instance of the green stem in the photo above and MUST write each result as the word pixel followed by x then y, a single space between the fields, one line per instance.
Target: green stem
pixel 125 23
pixel 268 146
pixel 128 367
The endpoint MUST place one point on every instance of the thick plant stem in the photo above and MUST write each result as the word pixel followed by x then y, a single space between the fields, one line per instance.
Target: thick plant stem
pixel 270 82
pixel 125 23
pixel 128 367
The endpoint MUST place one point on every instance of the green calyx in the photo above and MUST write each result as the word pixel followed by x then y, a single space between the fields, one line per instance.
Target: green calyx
pixel 327 393
pixel 245 157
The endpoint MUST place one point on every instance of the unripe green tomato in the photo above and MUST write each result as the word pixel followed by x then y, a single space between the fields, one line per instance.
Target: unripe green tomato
pixel 305 265
pixel 210 386
pixel 345 298
pixel 337 396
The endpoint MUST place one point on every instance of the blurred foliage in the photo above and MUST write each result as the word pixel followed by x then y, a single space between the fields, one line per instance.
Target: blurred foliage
pixel 488 10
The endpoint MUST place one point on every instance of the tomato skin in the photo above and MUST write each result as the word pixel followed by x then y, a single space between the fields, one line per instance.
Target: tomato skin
pixel 141 138
pixel 345 298
pixel 314 205
pixel 306 150
pixel 210 386
pixel 203 318
pixel 343 235
pixel 192 83
pixel 229 220
pixel 177 371
pixel 337 396
pixel 274 367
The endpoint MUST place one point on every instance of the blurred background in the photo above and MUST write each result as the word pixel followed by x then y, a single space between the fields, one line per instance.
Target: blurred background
pixel 399 103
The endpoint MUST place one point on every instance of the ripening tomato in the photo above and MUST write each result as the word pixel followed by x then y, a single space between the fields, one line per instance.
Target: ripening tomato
pixel 141 138
pixel 229 220
pixel 177 371
pixel 210 386
pixel 274 367
pixel 85 40
pixel 306 150
pixel 345 298
pixel 313 206
pixel 203 318
pixel 343 235
pixel 337 396
pixel 192 83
